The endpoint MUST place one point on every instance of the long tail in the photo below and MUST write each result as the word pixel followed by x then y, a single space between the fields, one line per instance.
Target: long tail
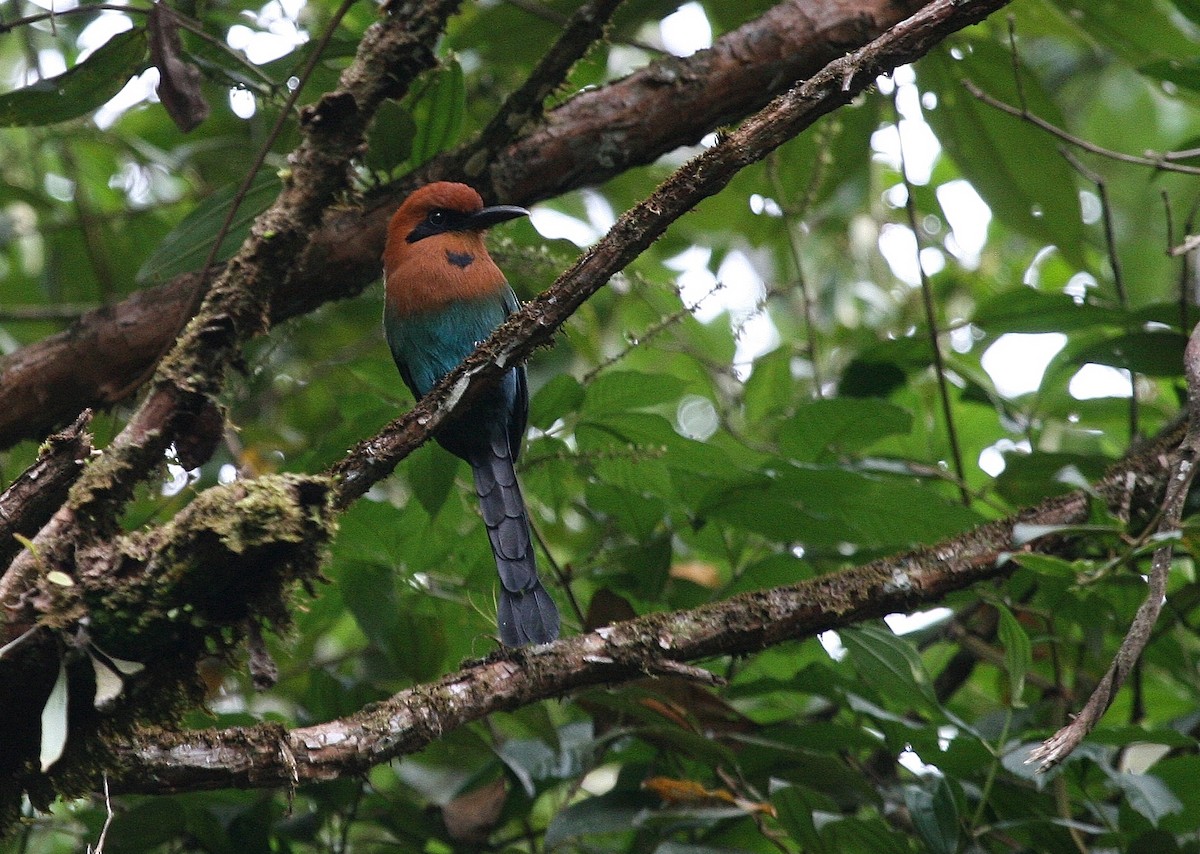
pixel 526 612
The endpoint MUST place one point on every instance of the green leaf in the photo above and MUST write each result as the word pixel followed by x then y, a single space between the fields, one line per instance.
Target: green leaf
pixel 410 638
pixel 935 816
pixel 845 425
pixel 561 395
pixel 1147 795
pixel 79 90
pixel 770 386
pixel 1138 31
pixel 187 246
pixel 828 506
pixel 613 812
pixel 628 391
pixel 438 109
pixel 1014 166
pixel 1018 653
pixel 1029 310
pixel 889 664
pixel 431 474
pixel 1155 354
pixel 795 811
pixel 391 138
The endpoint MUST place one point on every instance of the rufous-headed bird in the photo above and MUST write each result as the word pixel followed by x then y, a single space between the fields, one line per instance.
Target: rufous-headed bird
pixel 445 295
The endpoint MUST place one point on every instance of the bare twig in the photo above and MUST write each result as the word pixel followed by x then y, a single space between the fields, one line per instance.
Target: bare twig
pixel 1153 160
pixel 931 321
pixel 1059 746
pixel 524 106
pixel 1114 260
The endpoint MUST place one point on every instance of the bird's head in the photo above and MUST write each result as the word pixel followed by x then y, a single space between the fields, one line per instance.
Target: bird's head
pixel 435 251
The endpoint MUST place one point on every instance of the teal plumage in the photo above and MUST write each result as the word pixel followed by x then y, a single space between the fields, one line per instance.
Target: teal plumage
pixel 444 296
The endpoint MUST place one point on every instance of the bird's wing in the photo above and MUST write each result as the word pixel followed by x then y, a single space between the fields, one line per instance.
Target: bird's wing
pixel 518 414
pixel 393 329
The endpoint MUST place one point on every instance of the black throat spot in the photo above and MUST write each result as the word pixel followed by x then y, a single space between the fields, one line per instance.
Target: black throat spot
pixel 460 259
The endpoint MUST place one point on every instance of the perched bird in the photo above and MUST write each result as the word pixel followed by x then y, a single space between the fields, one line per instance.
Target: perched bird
pixel 445 294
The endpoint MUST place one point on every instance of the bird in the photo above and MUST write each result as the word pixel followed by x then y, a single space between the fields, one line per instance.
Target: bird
pixel 444 295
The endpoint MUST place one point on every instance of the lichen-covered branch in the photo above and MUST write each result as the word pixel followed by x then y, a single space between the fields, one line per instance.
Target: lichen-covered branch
pixel 164 762
pixel 163 598
pixel 33 496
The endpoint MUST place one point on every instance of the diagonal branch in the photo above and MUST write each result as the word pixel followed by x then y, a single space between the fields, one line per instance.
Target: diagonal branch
pixel 104 357
pixel 785 117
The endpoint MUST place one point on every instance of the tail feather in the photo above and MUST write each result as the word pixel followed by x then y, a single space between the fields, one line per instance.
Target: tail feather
pixel 526 612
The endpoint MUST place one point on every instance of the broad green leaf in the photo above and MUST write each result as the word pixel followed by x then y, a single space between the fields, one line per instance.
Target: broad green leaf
pixel 1014 166
pixel 79 90
pixel 391 138
pixel 1031 477
pixel 559 397
pixel 1031 311
pixel 845 425
pixel 1155 354
pixel 935 815
pixel 1147 795
pixel 410 637
pixel 1018 652
pixel 795 811
pixel 1137 30
pixel 889 664
pixel 431 474
pixel 438 109
pixel 613 812
pixel 628 391
pixel 770 387
pixel 185 249
pixel 828 506
pixel 866 835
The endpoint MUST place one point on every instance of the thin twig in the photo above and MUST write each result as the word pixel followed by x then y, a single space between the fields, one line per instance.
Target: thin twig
pixel 1114 260
pixel 263 150
pixel 1059 746
pixel 793 215
pixel 582 30
pixel 108 819
pixel 36 313
pixel 51 15
pixel 1157 161
pixel 939 363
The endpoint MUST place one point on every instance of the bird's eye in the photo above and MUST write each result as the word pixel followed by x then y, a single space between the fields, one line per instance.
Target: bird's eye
pixel 437 217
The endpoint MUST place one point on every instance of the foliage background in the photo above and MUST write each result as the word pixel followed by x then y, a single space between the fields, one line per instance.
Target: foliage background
pixel 750 404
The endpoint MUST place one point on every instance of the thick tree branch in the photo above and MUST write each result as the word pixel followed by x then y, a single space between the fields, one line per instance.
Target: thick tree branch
pixel 266 755
pixel 37 492
pixel 104 357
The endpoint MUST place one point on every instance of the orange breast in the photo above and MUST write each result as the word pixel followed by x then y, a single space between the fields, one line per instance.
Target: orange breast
pixel 438 271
